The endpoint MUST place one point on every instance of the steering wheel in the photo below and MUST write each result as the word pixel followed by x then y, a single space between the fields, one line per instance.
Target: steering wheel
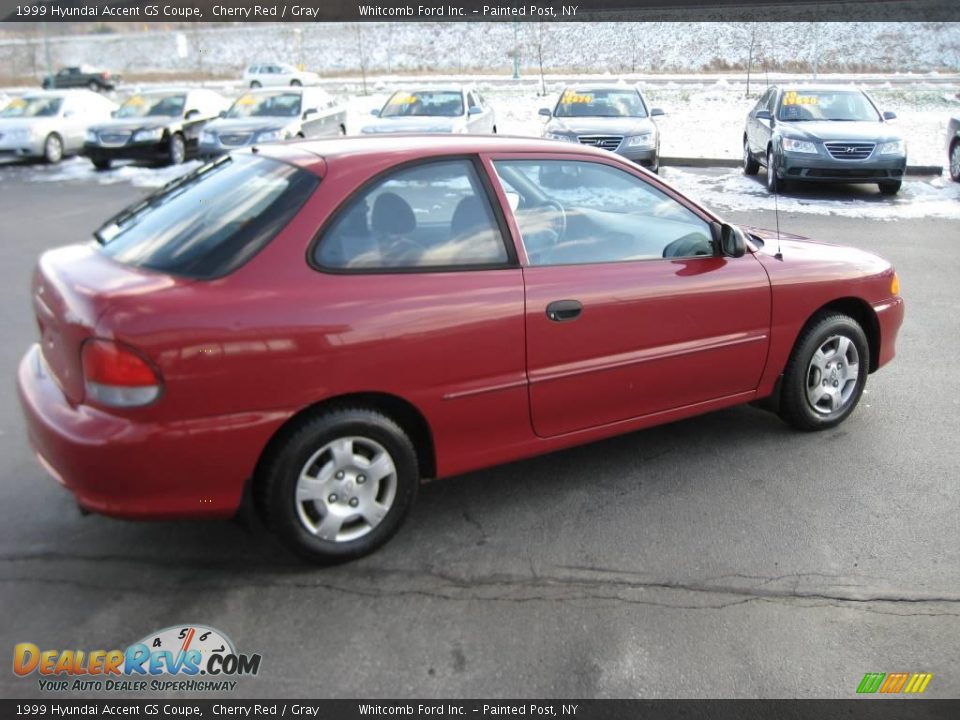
pixel 559 221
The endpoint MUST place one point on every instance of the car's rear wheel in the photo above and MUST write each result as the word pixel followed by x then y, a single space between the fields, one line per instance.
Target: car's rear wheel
pixel 93 86
pixel 955 161
pixel 890 188
pixel 254 84
pixel 177 149
pixel 340 485
pixel 826 374
pixel 53 149
pixel 102 164
pixel 774 184
pixel 750 166
pixel 295 83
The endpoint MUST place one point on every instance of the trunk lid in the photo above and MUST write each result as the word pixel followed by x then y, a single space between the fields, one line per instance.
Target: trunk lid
pixel 72 286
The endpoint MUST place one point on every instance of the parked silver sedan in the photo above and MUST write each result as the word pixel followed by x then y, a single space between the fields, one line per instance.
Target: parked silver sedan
pixel 264 116
pixel 450 109
pixel 50 123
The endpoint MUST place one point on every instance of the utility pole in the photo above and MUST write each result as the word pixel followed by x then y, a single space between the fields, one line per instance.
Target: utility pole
pixel 516 51
pixel 46 53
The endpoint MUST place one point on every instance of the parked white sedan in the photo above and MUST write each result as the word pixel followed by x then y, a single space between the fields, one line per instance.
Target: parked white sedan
pixel 276 74
pixel 451 109
pixel 50 123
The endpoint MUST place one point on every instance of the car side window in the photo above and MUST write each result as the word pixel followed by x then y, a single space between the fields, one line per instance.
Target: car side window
pixel 472 100
pixel 772 101
pixel 433 215
pixel 579 212
pixel 762 102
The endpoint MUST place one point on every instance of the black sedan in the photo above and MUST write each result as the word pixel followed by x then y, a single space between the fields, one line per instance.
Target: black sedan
pixel 160 127
pixel 612 117
pixel 823 134
pixel 82 76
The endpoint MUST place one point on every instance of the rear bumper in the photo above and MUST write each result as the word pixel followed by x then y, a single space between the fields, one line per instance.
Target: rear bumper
pixel 819 168
pixel 122 467
pixel 890 318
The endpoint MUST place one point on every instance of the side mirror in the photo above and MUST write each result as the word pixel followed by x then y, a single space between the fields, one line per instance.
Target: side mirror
pixel 222 114
pixel 656 111
pixel 310 111
pixel 545 112
pixel 69 113
pixel 733 243
pixel 192 114
pixel 762 115
pixel 889 115
pixel 475 110
pixel 375 112
pixel 113 113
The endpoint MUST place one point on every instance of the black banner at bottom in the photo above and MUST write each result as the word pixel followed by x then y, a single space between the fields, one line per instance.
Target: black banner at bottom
pixel 873 708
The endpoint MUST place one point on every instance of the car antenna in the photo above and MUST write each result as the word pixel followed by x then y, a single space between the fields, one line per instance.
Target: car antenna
pixel 776 215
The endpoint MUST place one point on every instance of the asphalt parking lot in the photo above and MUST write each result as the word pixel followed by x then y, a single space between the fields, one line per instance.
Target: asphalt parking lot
pixel 722 556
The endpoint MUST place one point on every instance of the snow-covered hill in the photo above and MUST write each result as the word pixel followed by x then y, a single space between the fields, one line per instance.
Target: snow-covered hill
pixel 349 48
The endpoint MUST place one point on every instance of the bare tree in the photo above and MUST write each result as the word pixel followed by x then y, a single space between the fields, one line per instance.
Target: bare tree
pixel 361 50
pixel 751 50
pixel 539 42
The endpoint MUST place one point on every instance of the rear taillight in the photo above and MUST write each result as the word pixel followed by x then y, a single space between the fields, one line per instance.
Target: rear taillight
pixel 117 376
pixel 105 75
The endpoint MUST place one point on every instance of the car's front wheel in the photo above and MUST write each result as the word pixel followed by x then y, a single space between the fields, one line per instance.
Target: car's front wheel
pixel 102 164
pixel 750 166
pixel 93 86
pixel 955 161
pixel 890 188
pixel 340 485
pixel 254 84
pixel 826 374
pixel 53 149
pixel 295 83
pixel 774 183
pixel 177 150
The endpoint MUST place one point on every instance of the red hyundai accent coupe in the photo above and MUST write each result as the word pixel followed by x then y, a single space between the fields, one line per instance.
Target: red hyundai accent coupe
pixel 326 323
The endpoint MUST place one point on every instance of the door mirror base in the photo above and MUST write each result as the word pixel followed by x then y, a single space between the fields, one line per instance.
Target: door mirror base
pixel 729 240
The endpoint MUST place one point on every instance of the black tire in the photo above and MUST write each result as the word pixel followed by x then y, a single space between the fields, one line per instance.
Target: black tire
pixel 53 149
pixel 296 83
pixel 254 84
pixel 774 183
pixel 802 378
pixel 494 130
pixel 176 149
pixel 890 188
pixel 93 86
pixel 102 165
pixel 281 471
pixel 750 165
pixel 342 130
pixel 955 161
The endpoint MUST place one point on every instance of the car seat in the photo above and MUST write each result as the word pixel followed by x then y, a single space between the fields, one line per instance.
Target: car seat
pixel 392 220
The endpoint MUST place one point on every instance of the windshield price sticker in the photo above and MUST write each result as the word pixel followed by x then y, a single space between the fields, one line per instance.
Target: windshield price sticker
pixel 18 103
pixel 572 97
pixel 403 99
pixel 791 98
pixel 247 99
pixel 134 100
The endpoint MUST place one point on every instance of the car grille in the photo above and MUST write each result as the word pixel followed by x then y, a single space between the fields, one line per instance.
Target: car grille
pixel 607 142
pixel 235 138
pixel 850 150
pixel 114 138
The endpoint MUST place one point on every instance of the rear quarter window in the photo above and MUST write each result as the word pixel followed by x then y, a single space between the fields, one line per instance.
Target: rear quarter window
pixel 213 220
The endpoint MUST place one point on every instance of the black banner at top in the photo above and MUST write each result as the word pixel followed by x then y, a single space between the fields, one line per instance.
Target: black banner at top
pixel 168 11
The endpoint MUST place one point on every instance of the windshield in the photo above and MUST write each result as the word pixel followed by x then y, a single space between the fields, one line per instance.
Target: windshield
pixel 208 223
pixel 600 103
pixel 140 106
pixel 844 105
pixel 431 103
pixel 280 104
pixel 29 107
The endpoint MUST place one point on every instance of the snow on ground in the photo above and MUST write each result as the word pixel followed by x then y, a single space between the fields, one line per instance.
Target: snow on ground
pixel 730 189
pixel 80 169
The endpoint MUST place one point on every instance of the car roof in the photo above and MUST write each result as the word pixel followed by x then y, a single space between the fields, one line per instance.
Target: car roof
pixel 434 88
pixel 413 147
pixel 601 86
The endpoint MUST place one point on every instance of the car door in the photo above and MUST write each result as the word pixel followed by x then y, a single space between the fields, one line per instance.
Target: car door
pixel 629 310
pixel 73 125
pixel 476 117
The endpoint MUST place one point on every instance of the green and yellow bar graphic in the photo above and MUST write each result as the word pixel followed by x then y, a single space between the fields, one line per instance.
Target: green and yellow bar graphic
pixel 891 683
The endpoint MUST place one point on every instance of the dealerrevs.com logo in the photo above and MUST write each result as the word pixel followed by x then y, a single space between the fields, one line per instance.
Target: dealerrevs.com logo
pixel 182 658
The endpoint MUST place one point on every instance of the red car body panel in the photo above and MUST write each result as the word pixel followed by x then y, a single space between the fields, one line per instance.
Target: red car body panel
pixel 471 351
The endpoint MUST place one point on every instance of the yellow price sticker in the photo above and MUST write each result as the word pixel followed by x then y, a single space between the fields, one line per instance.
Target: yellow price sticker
pixel 18 103
pixel 403 99
pixel 570 97
pixel 135 100
pixel 792 98
pixel 246 100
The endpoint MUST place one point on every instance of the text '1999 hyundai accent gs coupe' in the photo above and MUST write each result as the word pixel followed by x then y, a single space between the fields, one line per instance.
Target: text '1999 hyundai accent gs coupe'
pixel 326 323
